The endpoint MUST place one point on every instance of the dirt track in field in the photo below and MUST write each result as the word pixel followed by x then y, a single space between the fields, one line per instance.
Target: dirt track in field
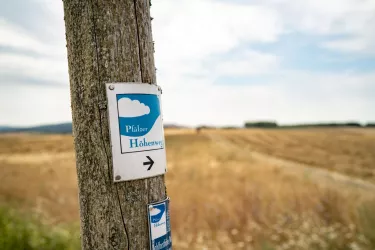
pixel 318 175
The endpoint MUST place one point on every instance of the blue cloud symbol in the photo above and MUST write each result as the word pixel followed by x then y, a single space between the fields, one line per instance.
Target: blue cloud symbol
pixel 137 122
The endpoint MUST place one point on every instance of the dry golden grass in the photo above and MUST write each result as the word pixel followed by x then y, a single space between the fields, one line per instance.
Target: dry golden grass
pixel 221 197
pixel 348 151
pixel 225 199
pixel 38 172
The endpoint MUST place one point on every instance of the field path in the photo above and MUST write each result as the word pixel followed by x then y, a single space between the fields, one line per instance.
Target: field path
pixel 318 175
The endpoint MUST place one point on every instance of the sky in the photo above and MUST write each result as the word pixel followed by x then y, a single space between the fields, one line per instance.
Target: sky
pixel 219 62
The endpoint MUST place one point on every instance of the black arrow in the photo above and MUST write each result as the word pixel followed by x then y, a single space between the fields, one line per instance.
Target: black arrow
pixel 150 162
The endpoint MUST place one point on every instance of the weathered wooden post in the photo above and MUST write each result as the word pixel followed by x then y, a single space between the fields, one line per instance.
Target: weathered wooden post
pixel 109 42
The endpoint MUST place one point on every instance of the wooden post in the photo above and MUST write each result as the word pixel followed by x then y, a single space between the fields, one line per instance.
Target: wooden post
pixel 108 41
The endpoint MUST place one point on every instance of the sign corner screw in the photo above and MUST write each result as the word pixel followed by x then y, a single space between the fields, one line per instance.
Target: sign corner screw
pixel 112 87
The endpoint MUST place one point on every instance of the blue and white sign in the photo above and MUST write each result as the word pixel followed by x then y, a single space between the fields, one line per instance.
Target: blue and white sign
pixel 159 226
pixel 136 128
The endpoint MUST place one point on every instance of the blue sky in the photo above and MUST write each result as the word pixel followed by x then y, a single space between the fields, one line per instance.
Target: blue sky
pixel 219 62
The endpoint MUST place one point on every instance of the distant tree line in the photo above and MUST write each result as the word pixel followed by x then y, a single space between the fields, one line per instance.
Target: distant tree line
pixel 66 128
pixel 272 124
pixel 261 124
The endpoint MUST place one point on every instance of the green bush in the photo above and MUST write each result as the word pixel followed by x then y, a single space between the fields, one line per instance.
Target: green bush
pixel 20 233
pixel 367 220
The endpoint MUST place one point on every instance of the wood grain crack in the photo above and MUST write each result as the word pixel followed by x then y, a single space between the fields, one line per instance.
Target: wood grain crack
pixel 110 177
pixel 139 39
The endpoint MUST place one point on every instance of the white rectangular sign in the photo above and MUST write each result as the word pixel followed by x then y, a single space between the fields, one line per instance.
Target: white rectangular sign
pixel 136 130
pixel 159 225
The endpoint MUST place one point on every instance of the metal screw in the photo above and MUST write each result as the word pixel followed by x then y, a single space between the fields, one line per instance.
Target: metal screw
pixel 112 87
pixel 118 177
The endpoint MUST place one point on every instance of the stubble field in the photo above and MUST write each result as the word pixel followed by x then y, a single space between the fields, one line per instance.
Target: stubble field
pixel 229 189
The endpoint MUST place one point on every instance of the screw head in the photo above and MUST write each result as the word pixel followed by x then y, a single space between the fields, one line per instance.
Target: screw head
pixel 118 177
pixel 111 87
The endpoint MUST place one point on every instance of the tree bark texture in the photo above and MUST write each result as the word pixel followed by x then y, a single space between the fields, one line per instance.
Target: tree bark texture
pixel 108 41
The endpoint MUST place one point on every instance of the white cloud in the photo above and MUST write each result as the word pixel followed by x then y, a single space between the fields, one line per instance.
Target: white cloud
pixel 249 63
pixel 44 69
pixel 189 34
pixel 348 45
pixel 132 108
pixel 27 60
pixel 16 37
pixel 291 97
pixel 34 105
pixel 353 18
pixel 187 31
